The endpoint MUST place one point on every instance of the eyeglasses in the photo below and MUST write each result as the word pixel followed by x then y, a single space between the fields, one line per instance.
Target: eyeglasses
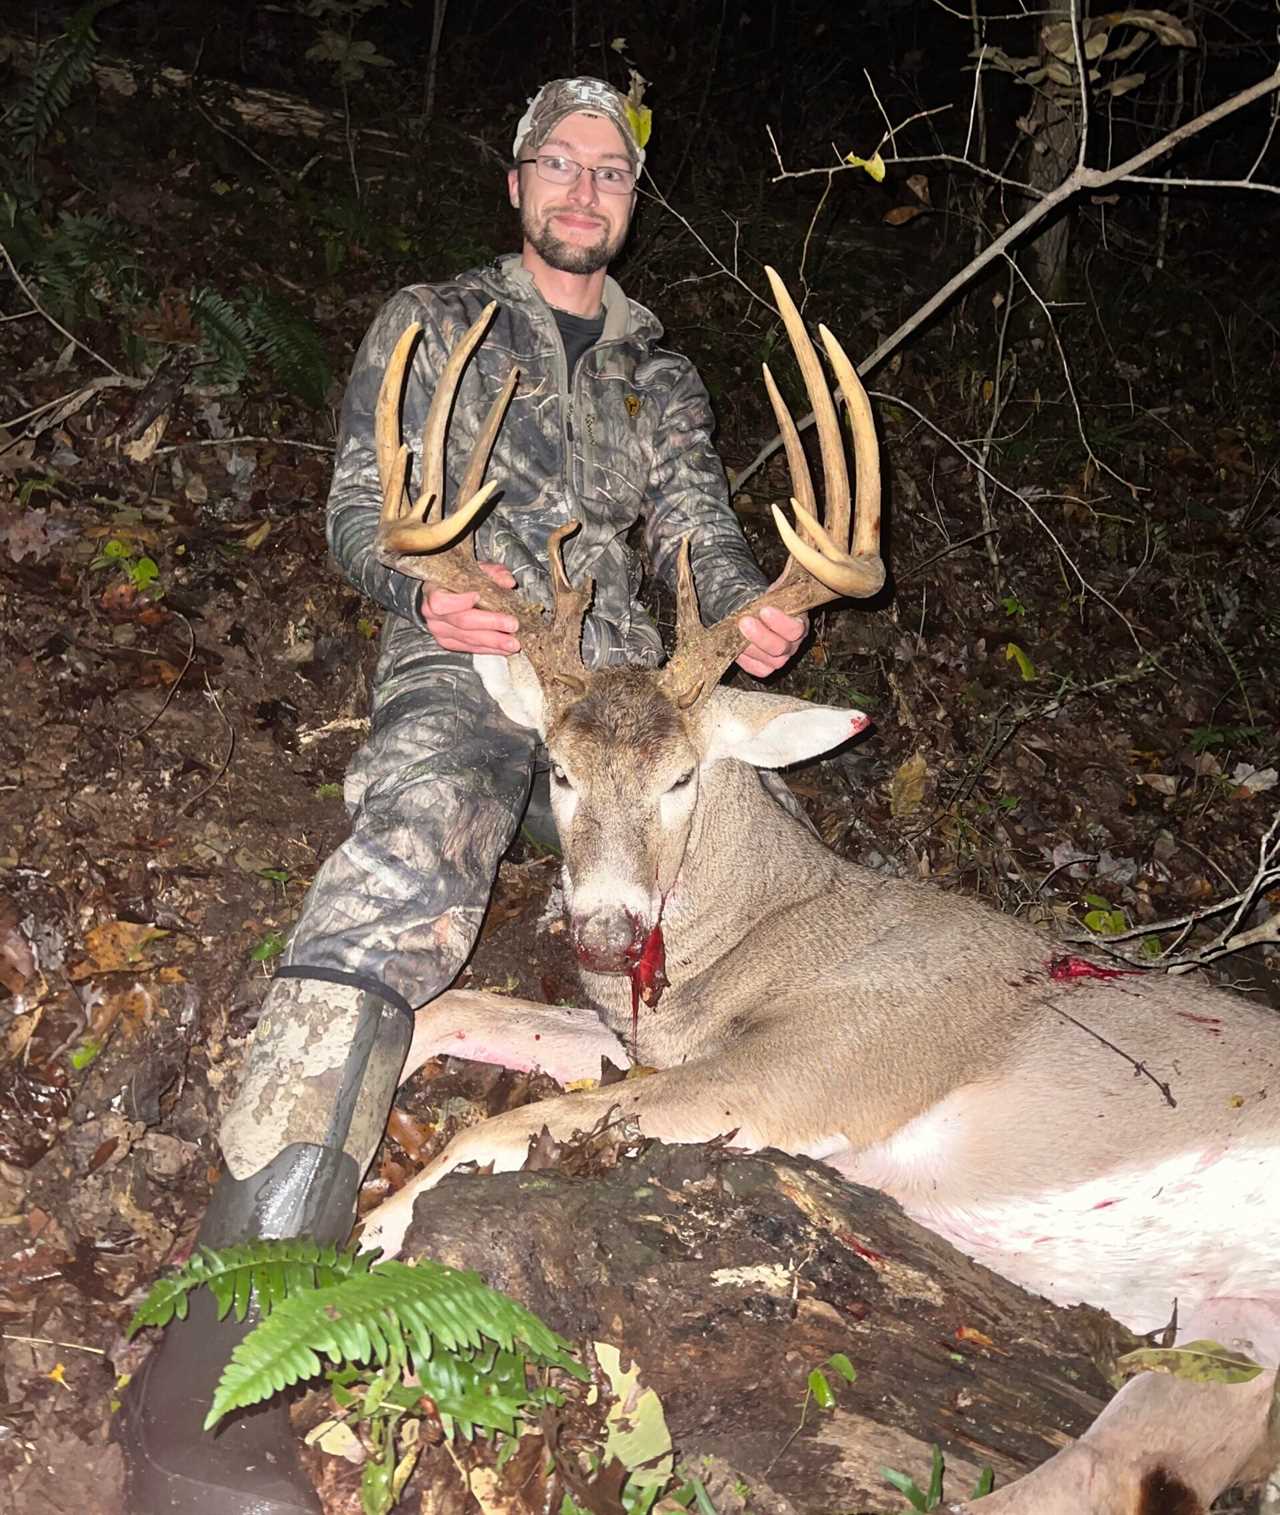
pixel 609 179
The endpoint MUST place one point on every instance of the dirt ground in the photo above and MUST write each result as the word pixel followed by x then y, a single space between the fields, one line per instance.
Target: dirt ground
pixel 1074 731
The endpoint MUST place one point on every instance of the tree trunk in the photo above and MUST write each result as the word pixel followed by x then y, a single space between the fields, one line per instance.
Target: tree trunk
pixel 1051 155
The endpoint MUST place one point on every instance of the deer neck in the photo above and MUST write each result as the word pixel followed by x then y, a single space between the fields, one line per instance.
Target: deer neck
pixel 746 860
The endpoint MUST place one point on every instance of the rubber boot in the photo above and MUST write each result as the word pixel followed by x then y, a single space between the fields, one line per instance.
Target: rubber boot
pixel 249 1464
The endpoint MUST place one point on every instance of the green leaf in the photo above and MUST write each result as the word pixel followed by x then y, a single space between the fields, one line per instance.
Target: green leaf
pixel 637 1435
pixel 271 945
pixel 227 336
pixel 1014 654
pixel 843 1366
pixel 986 1482
pixel 291 345
pixel 85 1053
pixel 906 1486
pixel 874 165
pixel 821 1389
pixel 144 572
pixel 935 1479
pixel 274 1268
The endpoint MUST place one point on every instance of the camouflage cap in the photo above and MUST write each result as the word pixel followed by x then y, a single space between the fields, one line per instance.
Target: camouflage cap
pixel 562 97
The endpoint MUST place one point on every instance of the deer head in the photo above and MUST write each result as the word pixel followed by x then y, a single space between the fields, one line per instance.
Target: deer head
pixel 633 752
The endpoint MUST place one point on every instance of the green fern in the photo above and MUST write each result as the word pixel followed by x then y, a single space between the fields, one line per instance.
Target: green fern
pixel 290 344
pixel 271 1270
pixel 61 65
pixel 82 266
pixel 227 335
pixel 467 1345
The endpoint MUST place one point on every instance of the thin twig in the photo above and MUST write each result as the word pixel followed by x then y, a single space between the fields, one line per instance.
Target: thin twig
pixel 226 762
pixel 57 325
pixel 45 1341
pixel 1080 178
pixel 173 688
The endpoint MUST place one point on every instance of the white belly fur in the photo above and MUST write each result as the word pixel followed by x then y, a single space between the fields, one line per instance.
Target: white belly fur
pixel 1200 1226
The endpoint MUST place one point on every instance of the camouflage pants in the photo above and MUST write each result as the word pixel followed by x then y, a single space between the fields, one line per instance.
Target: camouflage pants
pixel 435 796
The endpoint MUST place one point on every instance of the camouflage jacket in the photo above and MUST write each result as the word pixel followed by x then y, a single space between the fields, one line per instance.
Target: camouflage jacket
pixel 627 435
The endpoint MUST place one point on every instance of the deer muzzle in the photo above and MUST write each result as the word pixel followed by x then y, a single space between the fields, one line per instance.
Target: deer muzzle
pixel 609 941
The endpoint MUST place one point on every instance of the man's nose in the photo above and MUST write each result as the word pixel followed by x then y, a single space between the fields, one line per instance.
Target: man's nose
pixel 583 190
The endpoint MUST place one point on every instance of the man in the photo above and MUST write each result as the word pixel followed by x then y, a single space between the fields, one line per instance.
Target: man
pixel 606 427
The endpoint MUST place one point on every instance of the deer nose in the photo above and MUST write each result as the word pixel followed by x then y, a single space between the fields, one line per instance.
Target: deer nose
pixel 608 941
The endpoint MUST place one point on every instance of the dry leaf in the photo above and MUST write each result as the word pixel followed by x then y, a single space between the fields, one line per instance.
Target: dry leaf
pixel 901 214
pixel 143 448
pixel 1197 1361
pixel 906 792
pixel 115 947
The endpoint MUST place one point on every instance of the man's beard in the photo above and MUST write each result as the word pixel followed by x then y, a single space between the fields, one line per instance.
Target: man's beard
pixel 570 257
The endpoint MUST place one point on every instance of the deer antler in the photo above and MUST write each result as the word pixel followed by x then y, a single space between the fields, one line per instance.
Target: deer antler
pixel 824 563
pixel 417 538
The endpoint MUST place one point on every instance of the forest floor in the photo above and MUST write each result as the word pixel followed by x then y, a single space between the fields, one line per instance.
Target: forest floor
pixel 1071 729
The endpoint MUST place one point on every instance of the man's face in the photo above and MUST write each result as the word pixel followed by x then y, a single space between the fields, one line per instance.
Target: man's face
pixel 573 227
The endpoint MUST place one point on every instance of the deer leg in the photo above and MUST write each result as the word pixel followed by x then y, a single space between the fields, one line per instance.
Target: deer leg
pixel 685 1104
pixel 562 1041
pixel 1162 1443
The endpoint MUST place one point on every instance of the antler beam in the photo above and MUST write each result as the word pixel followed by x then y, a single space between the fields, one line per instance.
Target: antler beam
pixel 417 538
pixel 826 562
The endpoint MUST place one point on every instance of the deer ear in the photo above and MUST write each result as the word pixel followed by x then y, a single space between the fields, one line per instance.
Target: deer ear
pixel 512 684
pixel 772 730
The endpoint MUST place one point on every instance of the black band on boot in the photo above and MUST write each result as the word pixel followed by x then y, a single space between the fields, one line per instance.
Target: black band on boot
pixel 364 981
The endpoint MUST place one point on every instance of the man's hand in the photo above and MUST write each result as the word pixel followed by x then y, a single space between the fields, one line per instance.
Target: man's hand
pixel 458 626
pixel 772 640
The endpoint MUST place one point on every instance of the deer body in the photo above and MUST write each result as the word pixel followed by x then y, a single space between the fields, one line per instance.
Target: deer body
pixel 1111 1140
pixel 1092 1135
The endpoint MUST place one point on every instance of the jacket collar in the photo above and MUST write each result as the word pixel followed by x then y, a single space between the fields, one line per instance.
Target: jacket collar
pixel 509 280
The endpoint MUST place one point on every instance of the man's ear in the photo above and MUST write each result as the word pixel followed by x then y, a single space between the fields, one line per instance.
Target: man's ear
pixel 513 187
pixel 772 730
pixel 513 686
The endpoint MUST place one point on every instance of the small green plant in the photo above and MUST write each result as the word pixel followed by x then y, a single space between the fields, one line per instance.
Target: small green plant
pixel 1206 738
pixel 271 946
pixel 84 267
pixel 818 1385
pixel 407 1342
pixel 141 571
pixel 1103 918
pixel 1013 607
pixel 349 56
pixel 930 1499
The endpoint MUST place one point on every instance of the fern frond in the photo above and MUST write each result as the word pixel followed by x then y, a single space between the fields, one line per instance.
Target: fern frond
pixel 227 335
pixel 266 1271
pixel 466 1342
pixel 61 65
pixel 291 344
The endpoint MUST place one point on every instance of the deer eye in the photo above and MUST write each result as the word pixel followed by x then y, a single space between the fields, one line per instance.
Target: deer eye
pixel 558 775
pixel 683 781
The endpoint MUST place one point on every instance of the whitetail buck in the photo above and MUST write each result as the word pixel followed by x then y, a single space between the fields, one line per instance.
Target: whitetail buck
pixel 1093 1135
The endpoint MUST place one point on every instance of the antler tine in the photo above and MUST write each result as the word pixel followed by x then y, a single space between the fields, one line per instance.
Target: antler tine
pixel 418 539
pixel 422 526
pixel 835 473
pixel 823 564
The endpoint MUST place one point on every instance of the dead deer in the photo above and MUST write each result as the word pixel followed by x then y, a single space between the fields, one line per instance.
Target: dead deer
pixel 1092 1134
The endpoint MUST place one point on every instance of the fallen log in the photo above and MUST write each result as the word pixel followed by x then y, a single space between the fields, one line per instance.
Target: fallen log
pixel 728 1278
